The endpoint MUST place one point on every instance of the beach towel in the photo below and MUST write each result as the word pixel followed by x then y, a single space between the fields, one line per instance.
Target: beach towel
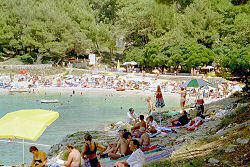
pixel 165 154
pixel 155 148
pixel 192 124
pixel 151 135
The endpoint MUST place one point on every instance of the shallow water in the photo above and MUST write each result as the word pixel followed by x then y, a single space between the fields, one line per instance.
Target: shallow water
pixel 78 113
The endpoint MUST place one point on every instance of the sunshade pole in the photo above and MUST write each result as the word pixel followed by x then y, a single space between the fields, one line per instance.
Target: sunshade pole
pixel 23 151
pixel 160 117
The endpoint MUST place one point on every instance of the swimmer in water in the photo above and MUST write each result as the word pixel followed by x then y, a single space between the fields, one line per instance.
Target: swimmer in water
pixel 9 106
pixel 81 94
pixel 73 92
pixel 62 103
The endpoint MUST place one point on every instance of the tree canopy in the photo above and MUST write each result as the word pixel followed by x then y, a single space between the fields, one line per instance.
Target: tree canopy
pixel 170 33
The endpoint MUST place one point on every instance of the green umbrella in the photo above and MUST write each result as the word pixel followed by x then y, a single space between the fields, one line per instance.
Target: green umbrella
pixel 195 83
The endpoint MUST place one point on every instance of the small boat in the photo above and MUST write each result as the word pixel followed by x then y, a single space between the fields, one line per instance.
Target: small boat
pixel 18 90
pixel 120 89
pixel 49 101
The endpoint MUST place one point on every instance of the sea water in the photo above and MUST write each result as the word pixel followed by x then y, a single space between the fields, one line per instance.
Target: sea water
pixel 77 113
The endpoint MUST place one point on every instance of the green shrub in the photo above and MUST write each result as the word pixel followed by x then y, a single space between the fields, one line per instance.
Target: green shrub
pixel 1 58
pixel 27 59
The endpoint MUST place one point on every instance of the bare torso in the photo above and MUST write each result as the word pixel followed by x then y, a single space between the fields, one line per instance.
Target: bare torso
pixel 76 158
pixel 124 146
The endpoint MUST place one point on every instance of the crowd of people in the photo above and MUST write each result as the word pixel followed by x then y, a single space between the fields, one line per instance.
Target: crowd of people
pixel 111 81
pixel 130 143
pixel 127 144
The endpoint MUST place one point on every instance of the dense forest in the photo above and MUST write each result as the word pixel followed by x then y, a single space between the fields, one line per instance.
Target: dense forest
pixel 189 33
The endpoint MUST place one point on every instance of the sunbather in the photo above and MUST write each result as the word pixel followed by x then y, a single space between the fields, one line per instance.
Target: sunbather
pixel 151 125
pixel 136 159
pixel 181 121
pixel 145 139
pixel 39 157
pixel 138 125
pixel 112 146
pixel 122 146
pixel 74 158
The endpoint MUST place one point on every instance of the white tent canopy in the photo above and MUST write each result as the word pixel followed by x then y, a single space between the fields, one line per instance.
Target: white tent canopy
pixel 133 63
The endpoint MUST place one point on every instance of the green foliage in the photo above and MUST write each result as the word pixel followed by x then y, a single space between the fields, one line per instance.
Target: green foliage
pixel 27 59
pixel 170 33
pixel 135 54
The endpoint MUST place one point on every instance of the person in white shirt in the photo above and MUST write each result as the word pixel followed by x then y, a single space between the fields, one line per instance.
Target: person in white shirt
pixel 131 116
pixel 151 125
pixel 136 159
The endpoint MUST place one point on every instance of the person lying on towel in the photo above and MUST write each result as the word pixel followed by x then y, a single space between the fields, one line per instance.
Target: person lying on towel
pixel 181 121
pixel 145 139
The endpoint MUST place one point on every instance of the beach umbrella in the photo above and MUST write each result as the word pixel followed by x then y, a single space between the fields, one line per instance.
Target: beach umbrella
pixel 159 100
pixel 195 83
pixel 133 63
pixel 23 72
pixel 118 64
pixel 26 124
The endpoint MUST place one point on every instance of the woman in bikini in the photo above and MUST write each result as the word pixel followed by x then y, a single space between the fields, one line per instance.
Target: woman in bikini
pixel 89 150
pixel 183 98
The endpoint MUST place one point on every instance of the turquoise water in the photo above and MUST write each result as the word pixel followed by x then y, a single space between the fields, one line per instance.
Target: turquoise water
pixel 78 113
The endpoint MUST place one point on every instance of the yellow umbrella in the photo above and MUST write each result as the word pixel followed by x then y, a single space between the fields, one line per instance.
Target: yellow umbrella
pixel 26 124
pixel 118 64
pixel 155 71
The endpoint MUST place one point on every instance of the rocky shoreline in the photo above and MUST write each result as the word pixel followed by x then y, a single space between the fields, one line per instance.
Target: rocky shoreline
pixel 215 111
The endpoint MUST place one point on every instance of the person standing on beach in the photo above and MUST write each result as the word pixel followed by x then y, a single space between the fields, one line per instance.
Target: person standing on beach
pixel 74 158
pixel 39 157
pixel 89 150
pixel 183 98
pixel 150 106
